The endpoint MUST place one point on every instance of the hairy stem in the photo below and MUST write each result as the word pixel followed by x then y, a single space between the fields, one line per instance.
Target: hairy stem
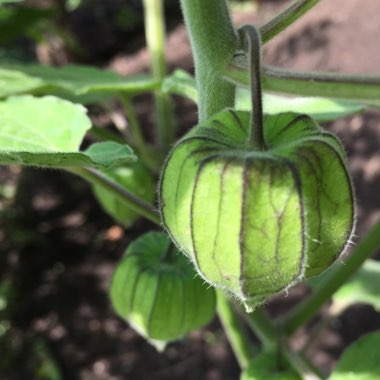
pixel 213 41
pixel 286 18
pixel 135 203
pixel 333 279
pixel 155 36
pixel 256 132
pixel 236 333
pixel 332 85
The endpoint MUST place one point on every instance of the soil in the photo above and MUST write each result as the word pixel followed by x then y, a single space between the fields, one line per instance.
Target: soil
pixel 59 248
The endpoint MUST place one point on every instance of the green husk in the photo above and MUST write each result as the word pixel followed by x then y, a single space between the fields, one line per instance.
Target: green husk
pixel 256 222
pixel 157 291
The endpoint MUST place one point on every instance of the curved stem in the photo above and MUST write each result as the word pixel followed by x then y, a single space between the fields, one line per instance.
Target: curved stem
pixel 333 85
pixel 300 364
pixel 271 337
pixel 264 328
pixel 236 333
pixel 213 41
pixel 135 203
pixel 286 18
pixel 334 278
pixel 140 142
pixel 155 36
pixel 133 121
pixel 256 133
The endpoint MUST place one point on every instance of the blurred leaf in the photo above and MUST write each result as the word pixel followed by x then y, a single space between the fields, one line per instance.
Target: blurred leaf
pixel 321 109
pixel 2 2
pixel 71 5
pixel 128 18
pixel 265 366
pixel 99 98
pixel 374 103
pixel 48 131
pixel 360 361
pixel 108 154
pixel 15 82
pixel 43 363
pixel 181 83
pixel 14 53
pixel 7 295
pixel 16 22
pixel 72 79
pixel 137 179
pixel 363 287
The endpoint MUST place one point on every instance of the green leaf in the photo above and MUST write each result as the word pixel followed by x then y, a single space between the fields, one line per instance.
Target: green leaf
pixel 70 79
pixel 15 82
pixel 181 83
pixel 363 287
pixel 321 109
pixel 360 361
pixel 109 153
pixel 265 366
pixel 48 131
pixel 134 177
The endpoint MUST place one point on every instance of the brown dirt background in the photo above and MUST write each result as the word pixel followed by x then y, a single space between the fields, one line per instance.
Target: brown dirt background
pixel 60 249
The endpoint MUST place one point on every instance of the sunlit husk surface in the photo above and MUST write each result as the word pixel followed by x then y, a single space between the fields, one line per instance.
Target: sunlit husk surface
pixel 256 222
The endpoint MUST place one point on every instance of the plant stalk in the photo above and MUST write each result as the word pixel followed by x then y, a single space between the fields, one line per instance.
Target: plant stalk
pixel 213 42
pixel 264 328
pixel 235 331
pixel 135 203
pixel 286 18
pixel 362 88
pixel 140 143
pixel 256 132
pixel 155 36
pixel 333 279
pixel 271 337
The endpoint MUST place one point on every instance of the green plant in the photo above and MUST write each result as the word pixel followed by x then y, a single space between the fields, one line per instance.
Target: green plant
pixel 137 179
pixel 158 292
pixel 299 165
